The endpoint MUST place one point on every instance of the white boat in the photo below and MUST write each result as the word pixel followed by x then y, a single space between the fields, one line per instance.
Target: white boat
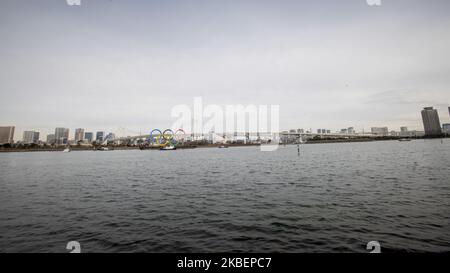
pixel 67 150
pixel 168 148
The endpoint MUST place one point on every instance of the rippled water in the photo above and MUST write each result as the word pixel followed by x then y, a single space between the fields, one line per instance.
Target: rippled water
pixel 333 198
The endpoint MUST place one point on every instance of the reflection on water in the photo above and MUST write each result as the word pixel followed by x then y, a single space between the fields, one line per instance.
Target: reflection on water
pixel 333 198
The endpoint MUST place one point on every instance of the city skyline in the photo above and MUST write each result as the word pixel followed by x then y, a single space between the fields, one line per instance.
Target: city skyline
pixel 431 126
pixel 79 134
pixel 110 64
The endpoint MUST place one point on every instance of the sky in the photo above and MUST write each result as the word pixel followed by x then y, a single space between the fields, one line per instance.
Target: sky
pixel 121 65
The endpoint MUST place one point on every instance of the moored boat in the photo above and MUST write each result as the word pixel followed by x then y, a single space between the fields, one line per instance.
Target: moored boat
pixel 168 148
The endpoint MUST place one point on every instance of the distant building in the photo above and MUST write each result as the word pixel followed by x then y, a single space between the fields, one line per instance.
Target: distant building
pixel 88 136
pixel 36 137
pixel 351 130
pixel 300 131
pixel 417 133
pixel 100 136
pixel 79 135
pixel 431 123
pixel 380 131
pixel 210 137
pixel 30 137
pixel 61 136
pixel 344 131
pixel 328 132
pixel 7 135
pixel 51 139
pixel 446 128
pixel 404 132
pixel 110 136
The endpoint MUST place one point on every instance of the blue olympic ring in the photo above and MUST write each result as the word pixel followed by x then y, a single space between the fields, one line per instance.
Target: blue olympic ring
pixel 152 138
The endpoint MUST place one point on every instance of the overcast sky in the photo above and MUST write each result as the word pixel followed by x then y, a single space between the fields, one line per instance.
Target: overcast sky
pixel 115 64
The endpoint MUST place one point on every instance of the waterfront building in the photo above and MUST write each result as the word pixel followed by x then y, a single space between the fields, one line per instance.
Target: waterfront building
pixel 79 135
pixel 51 139
pixel 431 123
pixel 7 135
pixel 61 136
pixel 380 131
pixel 404 132
pixel 344 131
pixel 394 133
pixel 100 136
pixel 351 130
pixel 27 137
pixel 300 131
pixel 418 133
pixel 110 136
pixel 30 137
pixel 36 137
pixel 446 128
pixel 89 136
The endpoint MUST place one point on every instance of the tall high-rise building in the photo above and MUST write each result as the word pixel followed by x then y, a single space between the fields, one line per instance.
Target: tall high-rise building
pixel 100 136
pixel 79 134
pixel 431 123
pixel 61 135
pixel 89 136
pixel 7 135
pixel 36 137
pixel 30 137
pixel 51 139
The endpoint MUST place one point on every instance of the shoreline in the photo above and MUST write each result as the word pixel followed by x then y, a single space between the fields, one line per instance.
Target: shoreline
pixel 188 147
pixel 114 148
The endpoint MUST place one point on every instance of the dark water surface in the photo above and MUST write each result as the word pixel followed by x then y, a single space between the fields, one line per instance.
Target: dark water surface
pixel 334 198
